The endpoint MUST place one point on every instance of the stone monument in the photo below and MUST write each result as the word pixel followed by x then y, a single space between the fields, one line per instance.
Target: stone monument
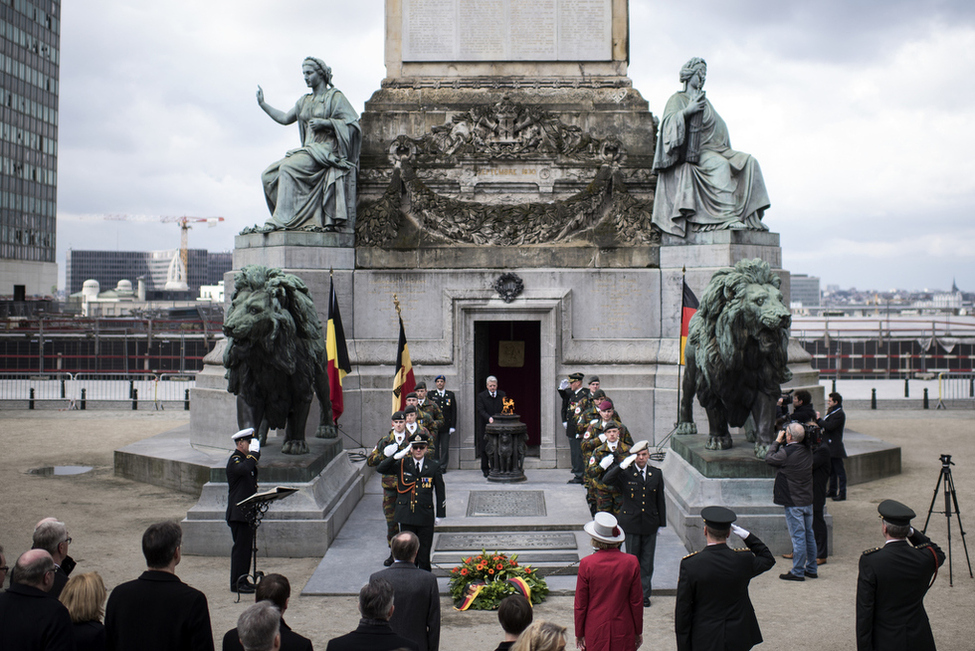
pixel 505 445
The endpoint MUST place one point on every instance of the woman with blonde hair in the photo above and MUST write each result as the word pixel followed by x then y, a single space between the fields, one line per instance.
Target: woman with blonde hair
pixel 84 596
pixel 541 636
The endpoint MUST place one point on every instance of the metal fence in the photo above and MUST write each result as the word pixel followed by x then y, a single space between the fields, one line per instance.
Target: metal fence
pixel 955 386
pixel 94 390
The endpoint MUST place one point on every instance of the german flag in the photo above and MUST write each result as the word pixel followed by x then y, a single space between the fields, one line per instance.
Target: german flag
pixel 337 352
pixel 687 309
pixel 403 381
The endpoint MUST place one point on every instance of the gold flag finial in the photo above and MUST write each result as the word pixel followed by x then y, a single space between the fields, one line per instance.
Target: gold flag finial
pixel 399 313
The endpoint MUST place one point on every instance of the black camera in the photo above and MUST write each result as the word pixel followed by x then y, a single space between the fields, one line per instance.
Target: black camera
pixel 786 397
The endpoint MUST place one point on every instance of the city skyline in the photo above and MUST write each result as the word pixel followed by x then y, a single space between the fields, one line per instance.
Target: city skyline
pixel 854 112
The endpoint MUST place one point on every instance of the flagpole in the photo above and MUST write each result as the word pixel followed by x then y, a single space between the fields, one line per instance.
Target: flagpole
pixel 680 352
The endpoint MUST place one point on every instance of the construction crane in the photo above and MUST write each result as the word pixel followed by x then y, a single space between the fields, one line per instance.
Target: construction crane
pixel 177 277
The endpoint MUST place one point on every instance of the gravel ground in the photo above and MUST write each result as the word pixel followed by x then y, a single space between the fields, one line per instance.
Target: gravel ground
pixel 106 516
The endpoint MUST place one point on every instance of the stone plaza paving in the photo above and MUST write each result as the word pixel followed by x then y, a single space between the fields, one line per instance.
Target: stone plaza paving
pixel 106 515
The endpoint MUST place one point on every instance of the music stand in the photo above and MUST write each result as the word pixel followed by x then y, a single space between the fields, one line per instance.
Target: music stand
pixel 254 508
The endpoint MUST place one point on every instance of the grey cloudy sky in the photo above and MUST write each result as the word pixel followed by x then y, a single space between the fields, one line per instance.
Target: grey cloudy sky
pixel 861 114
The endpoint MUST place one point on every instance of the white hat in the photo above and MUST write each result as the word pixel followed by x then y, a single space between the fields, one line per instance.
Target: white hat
pixel 604 527
pixel 243 434
pixel 639 446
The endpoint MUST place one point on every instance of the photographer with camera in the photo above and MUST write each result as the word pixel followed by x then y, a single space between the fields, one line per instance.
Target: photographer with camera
pixel 802 410
pixel 793 490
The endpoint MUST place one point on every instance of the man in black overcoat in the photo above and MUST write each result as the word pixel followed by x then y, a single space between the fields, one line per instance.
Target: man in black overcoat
pixel 420 497
pixel 277 589
pixel 448 406
pixel 832 424
pixel 892 583
pixel 714 612
pixel 242 482
pixel 416 615
pixel 157 611
pixel 486 404
pixel 643 509
pixel 30 618
pixel 373 632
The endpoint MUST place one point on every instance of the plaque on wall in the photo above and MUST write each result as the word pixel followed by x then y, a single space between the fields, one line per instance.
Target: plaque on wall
pixel 507 30
pixel 511 354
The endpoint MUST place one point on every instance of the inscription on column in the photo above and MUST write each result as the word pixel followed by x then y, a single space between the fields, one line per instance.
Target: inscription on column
pixel 507 30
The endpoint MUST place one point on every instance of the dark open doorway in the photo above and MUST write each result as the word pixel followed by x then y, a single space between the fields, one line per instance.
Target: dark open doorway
pixel 511 351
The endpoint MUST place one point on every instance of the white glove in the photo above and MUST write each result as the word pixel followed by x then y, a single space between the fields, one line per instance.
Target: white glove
pixel 602 438
pixel 405 451
pixel 255 445
pixel 564 384
pixel 628 461
pixel 437 521
pixel 606 461
pixel 741 533
pixel 453 429
pixel 565 425
pixel 390 450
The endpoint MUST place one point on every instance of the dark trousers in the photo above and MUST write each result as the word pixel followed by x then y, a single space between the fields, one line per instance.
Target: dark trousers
pixel 575 453
pixel 241 554
pixel 443 447
pixel 643 547
pixel 837 477
pixel 819 530
pixel 425 534
pixel 485 463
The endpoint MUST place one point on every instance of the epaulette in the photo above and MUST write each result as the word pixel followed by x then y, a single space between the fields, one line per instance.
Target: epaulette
pixel 740 549
pixel 870 551
pixel 691 554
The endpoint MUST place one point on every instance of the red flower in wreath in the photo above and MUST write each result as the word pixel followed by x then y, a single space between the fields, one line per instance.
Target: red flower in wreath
pixel 463 571
pixel 500 566
pixel 480 566
pixel 528 570
pixel 490 571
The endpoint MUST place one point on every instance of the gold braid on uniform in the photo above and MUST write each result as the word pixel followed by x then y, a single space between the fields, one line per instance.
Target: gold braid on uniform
pixel 411 486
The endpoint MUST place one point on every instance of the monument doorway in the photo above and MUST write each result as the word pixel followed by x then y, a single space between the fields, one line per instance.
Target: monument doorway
pixel 511 351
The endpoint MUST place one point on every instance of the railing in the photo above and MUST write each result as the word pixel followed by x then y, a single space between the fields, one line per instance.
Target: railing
pixel 96 390
pixel 955 386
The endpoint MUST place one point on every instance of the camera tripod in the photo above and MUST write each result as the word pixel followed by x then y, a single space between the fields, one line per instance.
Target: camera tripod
pixel 951 500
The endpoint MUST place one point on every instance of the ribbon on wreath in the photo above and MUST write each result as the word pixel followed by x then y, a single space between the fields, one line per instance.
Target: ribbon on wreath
pixel 473 589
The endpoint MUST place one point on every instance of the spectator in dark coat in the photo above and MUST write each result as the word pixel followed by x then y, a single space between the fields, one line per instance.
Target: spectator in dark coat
pixel 277 589
pixel 416 594
pixel 84 597
pixel 29 617
pixel 157 611
pixel 374 632
pixel 833 423
pixel 515 615
pixel 793 490
pixel 802 409
pixel 51 535
pixel 487 403
pixel 820 468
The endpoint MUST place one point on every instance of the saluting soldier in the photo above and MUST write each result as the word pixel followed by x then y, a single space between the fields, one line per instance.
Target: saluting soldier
pixel 892 583
pixel 447 402
pixel 387 446
pixel 607 498
pixel 436 423
pixel 242 483
pixel 416 417
pixel 418 508
pixel 713 609
pixel 643 509
pixel 595 436
pixel 573 393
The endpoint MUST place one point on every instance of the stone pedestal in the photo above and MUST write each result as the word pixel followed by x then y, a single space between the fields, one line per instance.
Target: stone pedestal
pixel 506 445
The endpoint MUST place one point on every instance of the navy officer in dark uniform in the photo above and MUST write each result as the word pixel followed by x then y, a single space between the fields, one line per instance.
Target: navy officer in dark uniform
pixel 643 509
pixel 417 479
pixel 892 583
pixel 242 479
pixel 713 608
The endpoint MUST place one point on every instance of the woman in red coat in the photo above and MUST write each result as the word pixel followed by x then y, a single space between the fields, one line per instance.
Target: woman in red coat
pixel 609 596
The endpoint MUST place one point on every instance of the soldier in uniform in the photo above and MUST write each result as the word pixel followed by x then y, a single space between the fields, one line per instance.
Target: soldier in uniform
pixel 242 483
pixel 419 418
pixel 595 436
pixel 572 394
pixel 417 479
pixel 387 446
pixel 607 498
pixel 892 583
pixel 435 420
pixel 643 508
pixel 447 402
pixel 713 609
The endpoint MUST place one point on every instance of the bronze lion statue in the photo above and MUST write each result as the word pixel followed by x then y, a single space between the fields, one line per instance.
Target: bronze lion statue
pixel 737 356
pixel 275 356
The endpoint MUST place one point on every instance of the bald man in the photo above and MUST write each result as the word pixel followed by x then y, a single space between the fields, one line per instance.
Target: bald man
pixel 29 617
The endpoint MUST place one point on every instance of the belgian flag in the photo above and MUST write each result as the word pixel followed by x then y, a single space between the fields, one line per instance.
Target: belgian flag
pixel 336 351
pixel 688 308
pixel 403 381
